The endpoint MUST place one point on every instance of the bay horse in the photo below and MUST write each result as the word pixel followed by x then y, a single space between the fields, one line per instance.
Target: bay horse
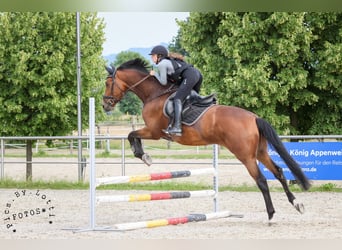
pixel 242 132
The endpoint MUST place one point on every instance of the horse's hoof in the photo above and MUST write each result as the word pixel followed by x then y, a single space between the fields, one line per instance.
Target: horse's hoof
pixel 270 215
pixel 147 159
pixel 299 207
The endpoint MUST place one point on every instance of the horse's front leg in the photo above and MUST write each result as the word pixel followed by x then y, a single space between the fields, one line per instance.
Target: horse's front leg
pixel 134 139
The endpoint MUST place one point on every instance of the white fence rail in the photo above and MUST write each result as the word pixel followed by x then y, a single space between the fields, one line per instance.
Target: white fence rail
pixel 107 138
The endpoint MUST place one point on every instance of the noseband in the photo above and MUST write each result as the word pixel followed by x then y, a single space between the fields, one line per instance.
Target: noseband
pixel 112 99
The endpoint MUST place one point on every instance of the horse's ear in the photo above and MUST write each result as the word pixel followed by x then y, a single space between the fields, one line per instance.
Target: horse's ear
pixel 110 70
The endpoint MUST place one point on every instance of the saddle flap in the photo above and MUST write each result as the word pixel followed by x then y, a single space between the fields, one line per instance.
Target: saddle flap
pixel 194 107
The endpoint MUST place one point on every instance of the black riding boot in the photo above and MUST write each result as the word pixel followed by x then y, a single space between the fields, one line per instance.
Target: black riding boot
pixel 177 125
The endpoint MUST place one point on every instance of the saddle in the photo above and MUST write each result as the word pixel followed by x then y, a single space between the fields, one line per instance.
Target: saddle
pixel 194 106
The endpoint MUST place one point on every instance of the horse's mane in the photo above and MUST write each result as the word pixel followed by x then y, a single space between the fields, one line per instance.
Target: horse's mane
pixel 136 63
pixel 141 66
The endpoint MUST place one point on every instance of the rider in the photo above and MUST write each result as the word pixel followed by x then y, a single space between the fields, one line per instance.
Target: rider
pixel 175 70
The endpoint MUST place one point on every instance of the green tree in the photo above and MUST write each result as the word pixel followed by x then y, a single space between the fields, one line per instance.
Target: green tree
pixel 175 45
pixel 286 67
pixel 38 71
pixel 130 104
pixel 325 75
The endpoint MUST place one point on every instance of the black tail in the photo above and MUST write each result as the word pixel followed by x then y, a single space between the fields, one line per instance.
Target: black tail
pixel 266 130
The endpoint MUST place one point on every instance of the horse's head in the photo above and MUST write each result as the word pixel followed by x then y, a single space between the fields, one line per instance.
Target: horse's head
pixel 113 92
pixel 132 76
pixel 123 79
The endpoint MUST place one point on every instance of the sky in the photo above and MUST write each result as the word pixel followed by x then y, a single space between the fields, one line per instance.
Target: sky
pixel 126 30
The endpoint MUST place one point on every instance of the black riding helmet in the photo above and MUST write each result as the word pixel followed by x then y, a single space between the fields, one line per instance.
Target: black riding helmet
pixel 159 50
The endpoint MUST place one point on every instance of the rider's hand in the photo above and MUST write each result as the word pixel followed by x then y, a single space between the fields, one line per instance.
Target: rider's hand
pixel 152 72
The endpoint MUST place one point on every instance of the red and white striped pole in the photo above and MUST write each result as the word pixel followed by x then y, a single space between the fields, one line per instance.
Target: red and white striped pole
pixel 156 196
pixel 153 176
pixel 171 221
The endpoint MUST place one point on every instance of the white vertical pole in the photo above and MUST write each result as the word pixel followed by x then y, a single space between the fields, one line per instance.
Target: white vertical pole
pixel 215 179
pixel 92 178
pixel 79 96
pixel 123 169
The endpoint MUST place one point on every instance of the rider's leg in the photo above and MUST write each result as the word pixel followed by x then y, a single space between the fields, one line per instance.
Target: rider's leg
pixel 182 92
pixel 190 79
pixel 177 125
pixel 198 81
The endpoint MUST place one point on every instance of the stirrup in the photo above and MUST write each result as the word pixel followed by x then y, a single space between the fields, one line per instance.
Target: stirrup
pixel 166 130
pixel 174 131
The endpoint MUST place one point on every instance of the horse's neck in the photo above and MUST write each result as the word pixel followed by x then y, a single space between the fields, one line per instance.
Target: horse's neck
pixel 151 89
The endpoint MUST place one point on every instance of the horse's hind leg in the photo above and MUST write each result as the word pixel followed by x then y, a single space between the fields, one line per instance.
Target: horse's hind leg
pixel 292 199
pixel 261 182
pixel 279 175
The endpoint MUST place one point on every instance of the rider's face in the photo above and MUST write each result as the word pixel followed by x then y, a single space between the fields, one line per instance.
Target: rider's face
pixel 154 58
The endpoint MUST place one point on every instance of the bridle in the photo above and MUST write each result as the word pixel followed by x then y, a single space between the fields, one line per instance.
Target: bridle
pixel 114 100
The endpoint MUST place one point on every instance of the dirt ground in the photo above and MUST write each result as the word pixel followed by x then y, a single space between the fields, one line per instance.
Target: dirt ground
pixel 65 214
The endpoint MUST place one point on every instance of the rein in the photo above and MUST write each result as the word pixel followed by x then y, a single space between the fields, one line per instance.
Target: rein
pixel 136 84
